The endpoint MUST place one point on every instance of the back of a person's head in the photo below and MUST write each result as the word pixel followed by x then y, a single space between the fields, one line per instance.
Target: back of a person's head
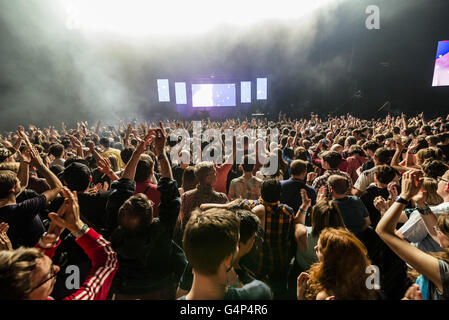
pixel 56 150
pixel 383 155
pixel 326 214
pixel 370 145
pixel 270 190
pixel 339 184
pixel 298 167
pixel 105 142
pixel 144 168
pixel 249 224
pixel 351 140
pixel 57 169
pixel 429 153
pixel 431 187
pixel 12 166
pixel 77 176
pixel 135 214
pixel 189 180
pixel 433 139
pixel 356 149
pixel 333 158
pixel 202 170
pixel 8 180
pixel 126 153
pixel 434 168
pixel 301 153
pixel 16 268
pixel 342 269
pixel 384 173
pixel 210 236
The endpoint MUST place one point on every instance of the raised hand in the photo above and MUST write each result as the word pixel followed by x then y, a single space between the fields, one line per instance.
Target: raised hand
pixel 36 159
pixel 301 285
pixel 413 293
pixel 412 181
pixel 71 219
pixel 381 204
pixel 306 201
pixel 5 243
pixel 311 176
pixel 322 194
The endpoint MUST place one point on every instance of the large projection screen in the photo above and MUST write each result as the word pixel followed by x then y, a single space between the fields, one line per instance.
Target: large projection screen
pixel 213 95
pixel 441 73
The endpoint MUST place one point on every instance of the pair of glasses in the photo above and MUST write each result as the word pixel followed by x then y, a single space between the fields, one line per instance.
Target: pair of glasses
pixel 442 179
pixel 53 273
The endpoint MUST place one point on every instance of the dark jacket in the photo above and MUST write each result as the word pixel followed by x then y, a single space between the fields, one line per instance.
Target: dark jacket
pixel 150 261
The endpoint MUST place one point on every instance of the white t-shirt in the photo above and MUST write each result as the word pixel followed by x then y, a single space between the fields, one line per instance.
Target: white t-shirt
pixel 414 230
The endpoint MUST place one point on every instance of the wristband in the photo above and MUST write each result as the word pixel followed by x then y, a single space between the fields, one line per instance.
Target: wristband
pixel 161 156
pixel 303 211
pixel 401 200
pixel 82 231
pixel 424 210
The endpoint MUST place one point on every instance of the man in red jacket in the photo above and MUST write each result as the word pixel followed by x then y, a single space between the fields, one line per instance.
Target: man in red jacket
pixel 29 273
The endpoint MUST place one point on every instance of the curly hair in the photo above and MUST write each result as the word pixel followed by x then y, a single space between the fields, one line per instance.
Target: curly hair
pixel 342 271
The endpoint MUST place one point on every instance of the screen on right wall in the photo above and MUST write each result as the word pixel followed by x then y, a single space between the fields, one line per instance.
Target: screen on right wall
pixel 441 73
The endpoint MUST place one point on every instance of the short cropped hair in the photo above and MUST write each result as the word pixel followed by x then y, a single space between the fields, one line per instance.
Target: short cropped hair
pixel 8 180
pixel 333 158
pixel 144 168
pixel 298 167
pixel 135 214
pixel 56 149
pixel 209 237
pixel 384 173
pixel 339 183
pixel 271 190
pixel 202 170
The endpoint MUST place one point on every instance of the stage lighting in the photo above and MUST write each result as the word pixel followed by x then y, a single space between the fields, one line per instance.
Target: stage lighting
pixel 144 17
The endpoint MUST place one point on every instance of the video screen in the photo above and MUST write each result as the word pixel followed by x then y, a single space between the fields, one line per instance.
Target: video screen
pixel 441 73
pixel 163 91
pixel 180 93
pixel 261 88
pixel 213 95
pixel 245 92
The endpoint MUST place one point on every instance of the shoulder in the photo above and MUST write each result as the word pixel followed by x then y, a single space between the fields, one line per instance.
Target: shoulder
pixel 255 290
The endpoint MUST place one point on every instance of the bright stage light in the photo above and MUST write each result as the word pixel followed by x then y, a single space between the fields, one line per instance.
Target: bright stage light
pixel 144 17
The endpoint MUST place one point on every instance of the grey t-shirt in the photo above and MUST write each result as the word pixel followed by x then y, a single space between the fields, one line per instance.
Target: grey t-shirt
pixel 435 294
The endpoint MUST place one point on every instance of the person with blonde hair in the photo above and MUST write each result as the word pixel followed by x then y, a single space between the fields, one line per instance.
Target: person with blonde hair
pixel 341 270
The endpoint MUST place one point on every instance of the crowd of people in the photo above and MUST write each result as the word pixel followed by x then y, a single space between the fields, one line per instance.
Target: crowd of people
pixel 355 210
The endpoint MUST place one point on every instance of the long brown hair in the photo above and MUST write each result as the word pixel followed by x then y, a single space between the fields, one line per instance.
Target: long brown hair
pixel 342 271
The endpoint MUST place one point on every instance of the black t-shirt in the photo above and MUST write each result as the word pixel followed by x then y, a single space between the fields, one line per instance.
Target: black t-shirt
pixel 368 199
pixel 177 174
pixel 25 225
pixel 367 165
pixel 92 208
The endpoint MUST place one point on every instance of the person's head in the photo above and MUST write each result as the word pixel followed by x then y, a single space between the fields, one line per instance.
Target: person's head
pixel 442 229
pixel 189 180
pixel 351 140
pixel 248 165
pixel 341 270
pixel 384 174
pixel 144 169
pixel 432 140
pixel 5 155
pixel 443 186
pixel 105 142
pixel 270 190
pixel 382 156
pixel 380 138
pixel 77 176
pixel 326 214
pixel 298 169
pixel 337 148
pixel 331 160
pixel 249 224
pixel 301 154
pixel 338 185
pixel 428 153
pixel 205 173
pixel 9 184
pixel 13 166
pixel 56 150
pixel 26 273
pixel 210 242
pixel 370 148
pixel 355 150
pixel 430 186
pixel 126 153
pixel 434 168
pixel 136 214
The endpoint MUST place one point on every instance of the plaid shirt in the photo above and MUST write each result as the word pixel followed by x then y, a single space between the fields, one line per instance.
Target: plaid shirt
pixel 322 180
pixel 279 230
